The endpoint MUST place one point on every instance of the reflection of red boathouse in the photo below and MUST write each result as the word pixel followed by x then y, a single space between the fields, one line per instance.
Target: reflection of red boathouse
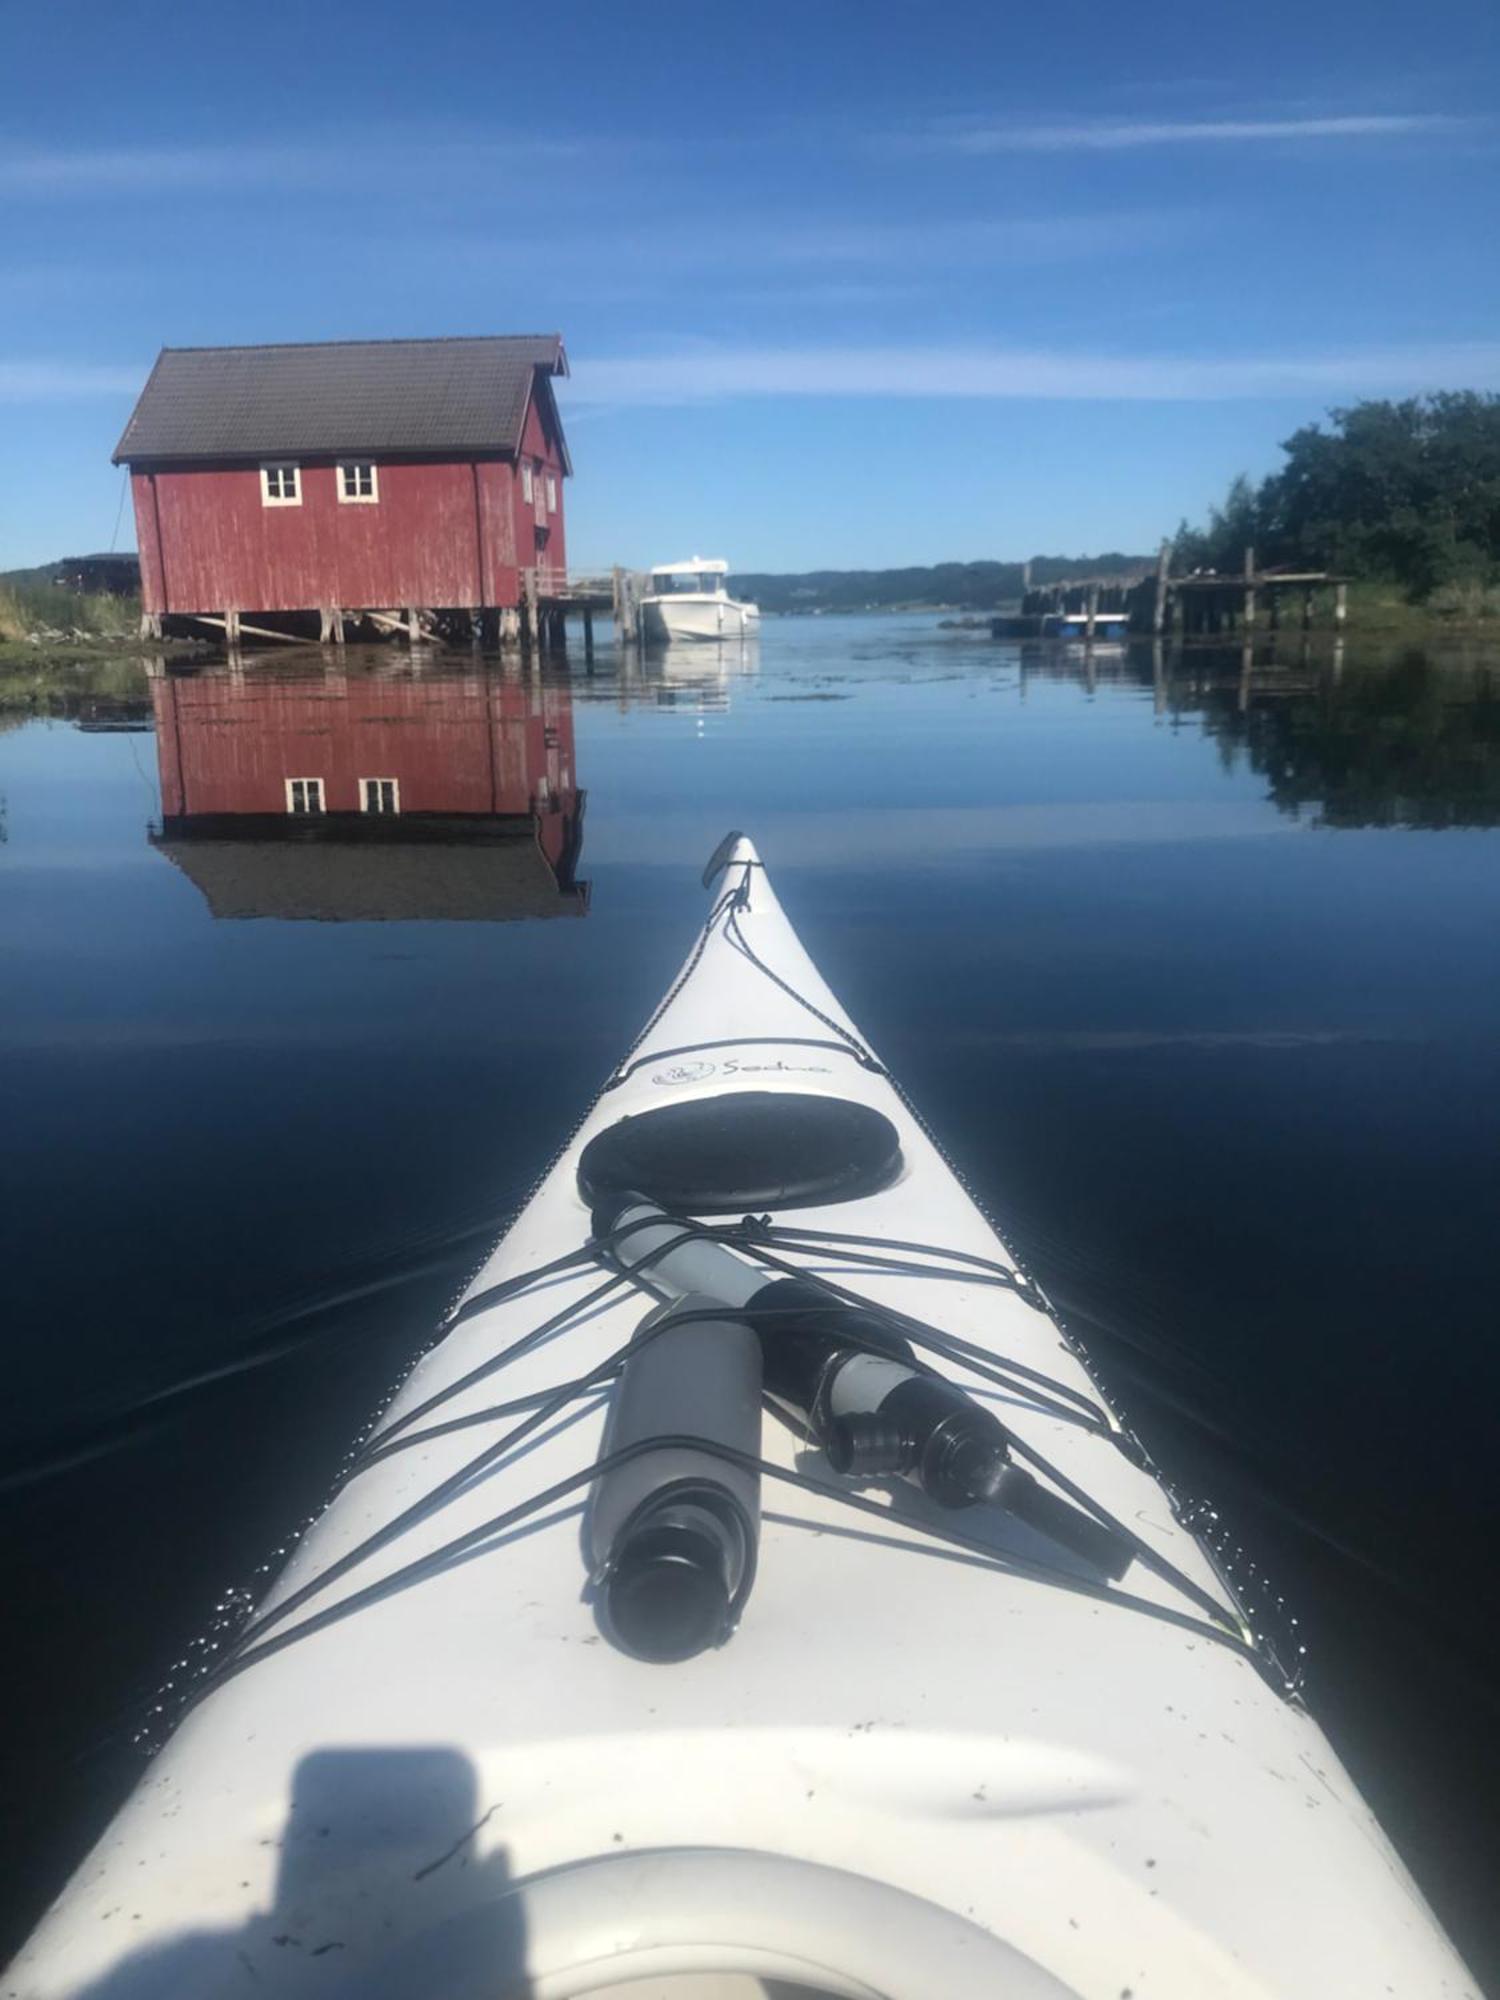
pixel 360 796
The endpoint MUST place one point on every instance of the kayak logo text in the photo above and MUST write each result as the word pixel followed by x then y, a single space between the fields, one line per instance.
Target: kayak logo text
pixel 699 1072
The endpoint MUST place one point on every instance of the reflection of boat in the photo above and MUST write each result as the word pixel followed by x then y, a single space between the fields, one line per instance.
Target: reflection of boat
pixel 348 795
pixel 1073 626
pixel 691 601
pixel 704 673
pixel 671 1760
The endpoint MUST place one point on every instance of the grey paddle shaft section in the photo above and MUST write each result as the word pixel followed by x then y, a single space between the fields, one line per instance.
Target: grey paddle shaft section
pixel 672 1531
pixel 690 1264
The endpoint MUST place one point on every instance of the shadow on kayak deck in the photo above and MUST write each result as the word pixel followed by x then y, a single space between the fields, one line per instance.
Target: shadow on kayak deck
pixel 368 1838
pixel 381 1893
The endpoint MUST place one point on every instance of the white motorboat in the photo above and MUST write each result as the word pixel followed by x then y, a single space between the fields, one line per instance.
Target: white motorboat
pixel 595 1678
pixel 690 601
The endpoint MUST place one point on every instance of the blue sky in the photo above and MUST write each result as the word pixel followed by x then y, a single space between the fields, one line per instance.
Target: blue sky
pixel 841 284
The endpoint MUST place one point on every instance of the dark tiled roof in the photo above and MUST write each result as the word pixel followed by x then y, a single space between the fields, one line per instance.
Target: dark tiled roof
pixel 333 396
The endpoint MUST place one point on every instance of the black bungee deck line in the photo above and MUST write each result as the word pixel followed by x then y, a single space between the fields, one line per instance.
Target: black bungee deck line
pixel 257 1640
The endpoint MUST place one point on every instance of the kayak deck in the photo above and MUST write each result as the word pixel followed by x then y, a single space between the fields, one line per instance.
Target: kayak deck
pixel 1041 1789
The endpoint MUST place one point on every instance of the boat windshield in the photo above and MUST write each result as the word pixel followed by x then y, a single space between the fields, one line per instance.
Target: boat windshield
pixel 668 582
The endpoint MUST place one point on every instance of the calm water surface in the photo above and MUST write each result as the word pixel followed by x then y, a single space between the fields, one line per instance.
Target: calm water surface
pixel 1194 969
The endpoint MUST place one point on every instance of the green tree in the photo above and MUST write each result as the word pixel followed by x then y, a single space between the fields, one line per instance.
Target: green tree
pixel 1405 491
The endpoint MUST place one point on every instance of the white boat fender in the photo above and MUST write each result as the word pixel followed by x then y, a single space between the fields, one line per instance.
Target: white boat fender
pixel 673 1526
pixel 856 1385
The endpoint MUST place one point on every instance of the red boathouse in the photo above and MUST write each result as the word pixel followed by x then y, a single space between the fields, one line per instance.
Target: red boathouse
pixel 408 482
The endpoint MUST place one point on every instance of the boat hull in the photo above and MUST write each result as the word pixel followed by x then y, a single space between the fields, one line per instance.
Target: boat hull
pixel 908 1772
pixel 688 619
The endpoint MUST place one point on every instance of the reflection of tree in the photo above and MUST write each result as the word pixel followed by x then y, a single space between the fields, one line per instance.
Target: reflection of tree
pixel 1401 740
pixel 1409 742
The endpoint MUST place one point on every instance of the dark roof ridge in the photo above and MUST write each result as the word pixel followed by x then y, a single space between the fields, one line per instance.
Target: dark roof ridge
pixel 353 340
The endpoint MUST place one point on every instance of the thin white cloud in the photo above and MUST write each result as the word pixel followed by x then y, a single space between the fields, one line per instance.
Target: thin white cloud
pixel 822 250
pixel 65 381
pixel 38 174
pixel 706 373
pixel 968 241
pixel 1110 135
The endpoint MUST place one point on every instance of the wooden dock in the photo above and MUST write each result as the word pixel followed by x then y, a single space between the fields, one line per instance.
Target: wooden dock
pixel 550 596
pixel 1212 602
pixel 1201 604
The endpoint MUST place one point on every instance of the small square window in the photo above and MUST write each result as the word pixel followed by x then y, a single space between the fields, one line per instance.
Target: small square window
pixel 528 490
pixel 358 483
pixel 280 486
pixel 380 795
pixel 551 494
pixel 304 795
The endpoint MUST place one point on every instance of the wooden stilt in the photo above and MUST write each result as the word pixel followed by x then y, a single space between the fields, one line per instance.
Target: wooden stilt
pixel 255 631
pixel 1340 605
pixel 1249 591
pixel 588 636
pixel 1159 597
pixel 1307 603
pixel 325 624
pixel 231 628
pixel 1091 611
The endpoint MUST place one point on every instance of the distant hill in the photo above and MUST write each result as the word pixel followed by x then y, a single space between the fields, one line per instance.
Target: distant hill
pixel 975 586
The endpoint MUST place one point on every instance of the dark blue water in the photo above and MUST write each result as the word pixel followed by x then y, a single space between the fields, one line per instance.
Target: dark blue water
pixel 1194 969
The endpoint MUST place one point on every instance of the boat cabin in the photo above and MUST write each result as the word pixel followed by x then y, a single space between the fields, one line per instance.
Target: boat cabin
pixel 700 576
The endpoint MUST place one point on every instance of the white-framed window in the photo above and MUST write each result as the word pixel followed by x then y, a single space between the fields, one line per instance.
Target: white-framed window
pixel 359 484
pixel 280 486
pixel 551 494
pixel 380 795
pixel 528 486
pixel 304 795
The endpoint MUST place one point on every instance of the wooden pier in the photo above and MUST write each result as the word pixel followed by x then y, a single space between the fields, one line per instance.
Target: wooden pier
pixel 550 596
pixel 1089 598
pixel 1209 603
pixel 1202 604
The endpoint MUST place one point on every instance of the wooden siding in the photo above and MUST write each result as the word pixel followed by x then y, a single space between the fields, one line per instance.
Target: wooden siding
pixel 538 536
pixel 443 534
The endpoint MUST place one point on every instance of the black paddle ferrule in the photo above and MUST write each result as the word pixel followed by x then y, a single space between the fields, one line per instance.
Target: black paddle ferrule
pixel 804 1334
pixel 958 1449
pixel 923 1426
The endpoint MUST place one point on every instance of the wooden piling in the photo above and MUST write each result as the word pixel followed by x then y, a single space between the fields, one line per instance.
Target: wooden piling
pixel 1159 596
pixel 1249 592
